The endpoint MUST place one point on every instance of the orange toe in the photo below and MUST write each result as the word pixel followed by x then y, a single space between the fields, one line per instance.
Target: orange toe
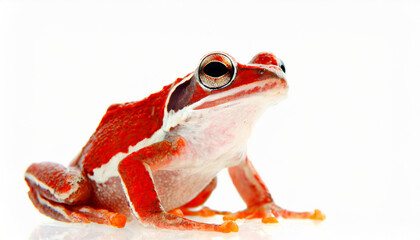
pixel 230 217
pixel 118 220
pixel 269 220
pixel 229 226
pixel 317 215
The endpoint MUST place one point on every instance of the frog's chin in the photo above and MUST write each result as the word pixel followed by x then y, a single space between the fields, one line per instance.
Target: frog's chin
pixel 269 91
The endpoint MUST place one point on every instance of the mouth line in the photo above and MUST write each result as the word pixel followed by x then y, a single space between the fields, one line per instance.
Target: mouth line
pixel 269 88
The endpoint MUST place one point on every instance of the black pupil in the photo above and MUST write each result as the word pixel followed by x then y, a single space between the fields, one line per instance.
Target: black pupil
pixel 215 69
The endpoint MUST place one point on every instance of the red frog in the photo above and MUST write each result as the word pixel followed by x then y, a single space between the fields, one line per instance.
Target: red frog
pixel 157 158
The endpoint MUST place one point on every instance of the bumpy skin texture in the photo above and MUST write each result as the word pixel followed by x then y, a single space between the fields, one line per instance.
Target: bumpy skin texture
pixel 76 194
pixel 122 126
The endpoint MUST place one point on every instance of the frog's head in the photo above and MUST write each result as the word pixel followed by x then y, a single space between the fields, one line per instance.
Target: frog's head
pixel 219 79
pixel 220 82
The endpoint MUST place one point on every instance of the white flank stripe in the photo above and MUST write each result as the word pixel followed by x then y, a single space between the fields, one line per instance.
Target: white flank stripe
pixel 110 169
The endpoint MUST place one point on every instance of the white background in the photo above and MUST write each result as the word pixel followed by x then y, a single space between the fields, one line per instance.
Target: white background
pixel 346 140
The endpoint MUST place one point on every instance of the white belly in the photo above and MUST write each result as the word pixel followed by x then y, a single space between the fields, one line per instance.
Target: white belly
pixel 176 187
pixel 215 139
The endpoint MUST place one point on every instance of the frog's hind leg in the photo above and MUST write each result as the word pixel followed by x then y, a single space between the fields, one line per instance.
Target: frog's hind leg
pixel 76 214
pixel 62 193
pixel 57 183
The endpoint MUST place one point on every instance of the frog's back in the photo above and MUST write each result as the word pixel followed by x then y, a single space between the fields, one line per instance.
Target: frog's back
pixel 122 126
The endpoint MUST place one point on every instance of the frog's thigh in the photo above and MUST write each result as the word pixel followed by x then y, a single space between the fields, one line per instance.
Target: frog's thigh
pixel 57 183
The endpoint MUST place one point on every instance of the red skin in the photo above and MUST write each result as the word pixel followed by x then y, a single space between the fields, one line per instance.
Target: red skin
pixel 68 194
pixel 122 126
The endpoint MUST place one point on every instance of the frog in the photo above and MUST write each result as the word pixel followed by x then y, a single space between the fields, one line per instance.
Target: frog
pixel 157 160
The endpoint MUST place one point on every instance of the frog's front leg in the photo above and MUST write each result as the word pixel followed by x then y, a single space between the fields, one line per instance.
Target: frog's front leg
pixel 136 175
pixel 257 198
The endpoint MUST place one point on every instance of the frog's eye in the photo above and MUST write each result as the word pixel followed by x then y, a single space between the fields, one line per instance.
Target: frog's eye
pixel 281 65
pixel 216 71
